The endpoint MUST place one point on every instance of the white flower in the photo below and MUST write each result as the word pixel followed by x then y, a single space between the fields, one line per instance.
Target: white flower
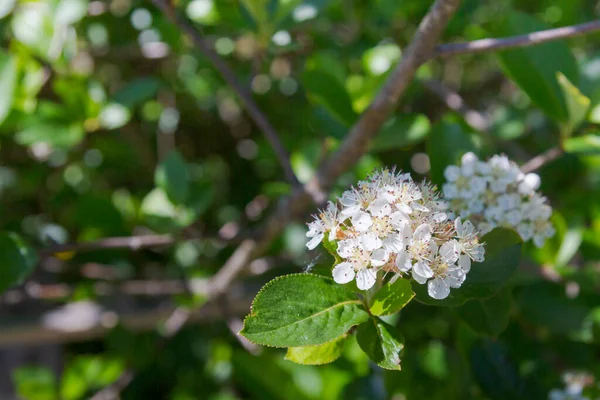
pixel 452 173
pixel 495 193
pixel 316 231
pixel 389 223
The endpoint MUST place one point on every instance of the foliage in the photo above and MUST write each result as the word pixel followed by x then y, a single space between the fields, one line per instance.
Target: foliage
pixel 120 136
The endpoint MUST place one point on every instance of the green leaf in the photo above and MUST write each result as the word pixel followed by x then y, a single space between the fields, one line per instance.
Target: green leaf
pixel 381 342
pixel 302 310
pixel 381 58
pixel 588 144
pixel 35 383
pixel 317 355
pixel 489 316
pixel 8 79
pixel 55 133
pixel 447 143
pixel 392 297
pixel 325 90
pixel 502 254
pixel 136 92
pixel 172 177
pixel 534 68
pixel 401 131
pixel 577 104
pixel 17 261
pixel 162 215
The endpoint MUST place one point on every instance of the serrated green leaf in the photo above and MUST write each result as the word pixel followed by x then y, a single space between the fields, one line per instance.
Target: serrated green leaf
pixel 326 91
pixel 401 131
pixel 172 177
pixel 381 342
pixel 577 104
pixel 302 310
pixel 17 261
pixel 588 144
pixel 489 316
pixel 534 68
pixel 502 254
pixel 447 143
pixel 8 78
pixel 317 355
pixel 392 297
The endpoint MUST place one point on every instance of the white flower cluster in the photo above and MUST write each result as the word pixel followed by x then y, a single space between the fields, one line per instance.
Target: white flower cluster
pixel 575 382
pixel 497 194
pixel 390 223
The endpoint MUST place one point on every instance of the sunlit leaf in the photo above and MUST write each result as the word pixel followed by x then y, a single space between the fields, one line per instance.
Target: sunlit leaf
pixel 317 355
pixel 302 310
pixel 392 297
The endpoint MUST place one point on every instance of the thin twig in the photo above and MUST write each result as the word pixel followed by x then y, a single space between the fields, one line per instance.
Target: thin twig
pixel 529 39
pixel 229 76
pixel 540 160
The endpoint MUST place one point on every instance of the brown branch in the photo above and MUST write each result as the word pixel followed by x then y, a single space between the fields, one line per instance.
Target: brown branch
pixel 125 242
pixel 540 160
pixel 529 39
pixel 72 323
pixel 229 76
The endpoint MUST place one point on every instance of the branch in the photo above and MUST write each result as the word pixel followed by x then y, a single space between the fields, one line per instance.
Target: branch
pixel 84 321
pixel 540 160
pixel 530 39
pixel 229 76
pixel 125 242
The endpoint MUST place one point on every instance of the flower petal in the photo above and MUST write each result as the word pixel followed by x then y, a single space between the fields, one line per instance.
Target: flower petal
pixel 438 289
pixel 403 261
pixel 465 263
pixel 370 242
pixel 314 242
pixel 379 257
pixel 343 272
pixel 365 278
pixel 361 221
pixel 346 248
pixel 420 279
pixel 423 232
pixel 421 268
pixel 449 252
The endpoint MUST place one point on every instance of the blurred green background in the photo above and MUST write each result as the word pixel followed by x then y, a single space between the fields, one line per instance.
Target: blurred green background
pixel 112 124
